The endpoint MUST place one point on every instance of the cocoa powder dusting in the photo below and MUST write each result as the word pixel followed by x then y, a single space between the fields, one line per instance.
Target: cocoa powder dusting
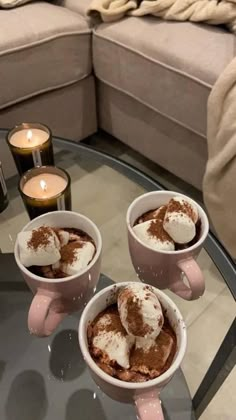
pixel 156 230
pixel 56 231
pixel 154 359
pixel 144 365
pixel 184 207
pixel 40 237
pixel 162 212
pixel 134 316
pixel 157 358
pixel 68 252
pixel 113 324
pixel 158 213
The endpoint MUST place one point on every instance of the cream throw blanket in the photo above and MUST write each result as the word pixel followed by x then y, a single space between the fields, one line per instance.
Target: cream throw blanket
pixel 219 185
pixel 9 4
pixel 214 12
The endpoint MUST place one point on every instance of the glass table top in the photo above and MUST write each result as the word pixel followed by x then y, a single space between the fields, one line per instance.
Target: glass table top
pixel 50 373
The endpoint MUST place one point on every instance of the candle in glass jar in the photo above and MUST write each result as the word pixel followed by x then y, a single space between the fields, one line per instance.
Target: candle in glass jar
pixel 44 186
pixel 31 146
pixel 3 191
pixel 28 138
pixel 45 189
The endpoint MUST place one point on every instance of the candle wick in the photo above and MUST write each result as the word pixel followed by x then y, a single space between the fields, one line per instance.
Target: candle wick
pixel 43 185
pixel 29 135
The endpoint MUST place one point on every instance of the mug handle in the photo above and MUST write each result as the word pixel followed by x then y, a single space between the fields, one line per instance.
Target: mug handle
pixel 195 279
pixel 148 406
pixel 41 320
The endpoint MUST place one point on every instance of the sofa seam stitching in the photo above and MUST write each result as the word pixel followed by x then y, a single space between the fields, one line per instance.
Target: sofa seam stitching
pixel 42 41
pixel 42 91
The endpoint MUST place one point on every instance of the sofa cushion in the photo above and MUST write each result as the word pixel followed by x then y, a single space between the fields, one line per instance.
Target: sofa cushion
pixel 42 47
pixel 168 66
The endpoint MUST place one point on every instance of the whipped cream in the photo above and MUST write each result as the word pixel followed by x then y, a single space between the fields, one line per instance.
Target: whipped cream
pixel 140 312
pixel 56 250
pixel 64 236
pixel 180 223
pixel 80 257
pixel 183 201
pixel 143 232
pixel 39 247
pixel 115 344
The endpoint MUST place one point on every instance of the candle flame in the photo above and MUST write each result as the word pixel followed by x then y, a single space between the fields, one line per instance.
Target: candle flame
pixel 43 185
pixel 29 135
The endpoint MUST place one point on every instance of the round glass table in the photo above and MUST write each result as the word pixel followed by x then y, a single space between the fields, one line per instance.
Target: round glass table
pixel 46 379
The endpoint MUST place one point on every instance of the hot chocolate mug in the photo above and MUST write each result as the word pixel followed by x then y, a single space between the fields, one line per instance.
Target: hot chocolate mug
pixel 166 269
pixel 56 298
pixel 144 395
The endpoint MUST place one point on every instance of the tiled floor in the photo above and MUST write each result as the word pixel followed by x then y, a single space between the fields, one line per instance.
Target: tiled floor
pixel 104 195
pixel 113 146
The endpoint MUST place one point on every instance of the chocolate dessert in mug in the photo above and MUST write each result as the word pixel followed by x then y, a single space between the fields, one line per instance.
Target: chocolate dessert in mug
pixel 166 232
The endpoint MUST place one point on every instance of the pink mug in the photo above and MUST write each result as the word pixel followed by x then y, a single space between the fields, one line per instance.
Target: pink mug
pixel 144 395
pixel 166 269
pixel 56 298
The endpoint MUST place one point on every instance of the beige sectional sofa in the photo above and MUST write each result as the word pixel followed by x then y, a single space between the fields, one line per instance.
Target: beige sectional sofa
pixel 151 78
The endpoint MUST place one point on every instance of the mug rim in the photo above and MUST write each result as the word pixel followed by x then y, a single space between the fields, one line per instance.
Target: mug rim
pixel 62 279
pixel 117 382
pixel 201 212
